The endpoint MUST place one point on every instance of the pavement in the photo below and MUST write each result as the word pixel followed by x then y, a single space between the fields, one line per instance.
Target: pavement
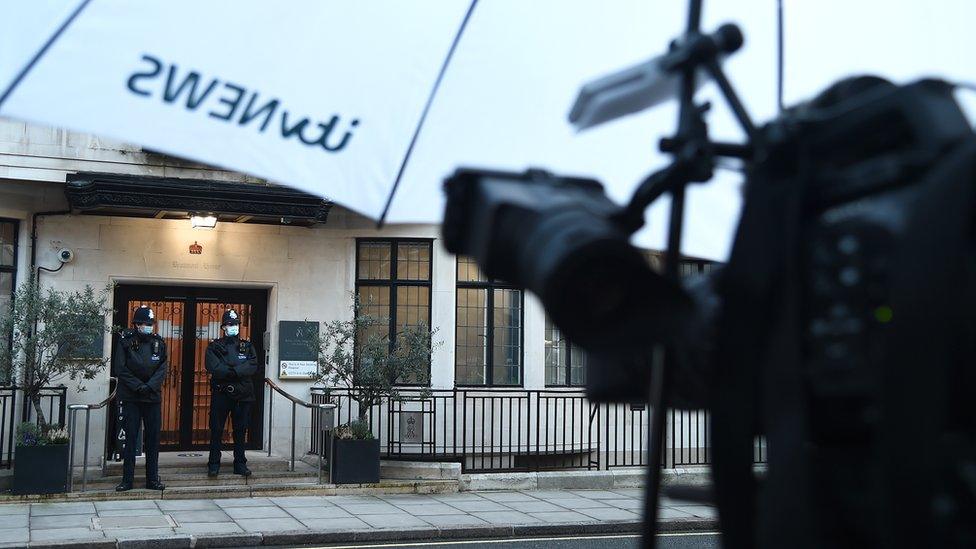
pixel 298 520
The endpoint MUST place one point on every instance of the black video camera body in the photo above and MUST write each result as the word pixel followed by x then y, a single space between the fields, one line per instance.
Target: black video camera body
pixel 843 327
pixel 557 237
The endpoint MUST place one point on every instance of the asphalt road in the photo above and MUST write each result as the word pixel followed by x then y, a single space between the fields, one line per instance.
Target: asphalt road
pixel 666 541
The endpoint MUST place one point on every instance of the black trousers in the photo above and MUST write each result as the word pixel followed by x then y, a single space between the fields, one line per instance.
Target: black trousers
pixel 240 413
pixel 134 416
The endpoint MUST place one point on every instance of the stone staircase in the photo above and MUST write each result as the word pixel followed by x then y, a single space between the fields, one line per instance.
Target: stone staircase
pixel 185 473
pixel 185 476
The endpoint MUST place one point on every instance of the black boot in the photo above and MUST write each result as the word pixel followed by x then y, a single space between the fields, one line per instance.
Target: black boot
pixel 213 470
pixel 124 487
pixel 155 485
pixel 242 470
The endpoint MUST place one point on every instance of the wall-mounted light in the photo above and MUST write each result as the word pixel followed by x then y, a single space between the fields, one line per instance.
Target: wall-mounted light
pixel 203 221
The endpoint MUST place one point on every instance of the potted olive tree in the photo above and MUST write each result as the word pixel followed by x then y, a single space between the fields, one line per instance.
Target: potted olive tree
pixel 57 337
pixel 358 355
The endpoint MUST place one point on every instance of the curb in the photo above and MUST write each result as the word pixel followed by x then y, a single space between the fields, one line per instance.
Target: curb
pixel 310 537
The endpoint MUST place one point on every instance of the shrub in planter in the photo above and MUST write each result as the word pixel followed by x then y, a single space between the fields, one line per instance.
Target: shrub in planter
pixel 41 460
pixel 356 456
pixel 57 337
pixel 358 355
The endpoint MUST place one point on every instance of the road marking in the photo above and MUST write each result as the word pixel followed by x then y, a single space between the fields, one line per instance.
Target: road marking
pixel 510 540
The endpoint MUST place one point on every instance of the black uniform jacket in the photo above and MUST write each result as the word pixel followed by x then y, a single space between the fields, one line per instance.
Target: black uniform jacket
pixel 139 360
pixel 231 362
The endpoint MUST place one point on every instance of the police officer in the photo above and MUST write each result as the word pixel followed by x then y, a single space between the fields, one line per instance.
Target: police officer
pixel 231 361
pixel 139 361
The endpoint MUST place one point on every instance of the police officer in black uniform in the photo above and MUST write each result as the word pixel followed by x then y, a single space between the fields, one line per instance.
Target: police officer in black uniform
pixel 139 361
pixel 231 361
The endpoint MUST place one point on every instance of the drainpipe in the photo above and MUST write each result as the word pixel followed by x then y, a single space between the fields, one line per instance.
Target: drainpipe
pixel 33 263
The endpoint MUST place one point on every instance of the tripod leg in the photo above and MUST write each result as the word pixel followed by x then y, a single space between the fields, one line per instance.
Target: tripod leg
pixel 655 446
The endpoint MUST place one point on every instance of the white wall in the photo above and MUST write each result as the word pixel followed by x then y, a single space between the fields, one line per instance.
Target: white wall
pixel 36 153
pixel 309 272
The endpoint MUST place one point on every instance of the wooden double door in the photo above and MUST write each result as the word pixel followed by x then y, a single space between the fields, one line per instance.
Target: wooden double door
pixel 188 318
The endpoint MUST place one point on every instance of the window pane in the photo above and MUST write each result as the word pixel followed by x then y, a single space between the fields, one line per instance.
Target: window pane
pixel 507 332
pixel 413 261
pixel 468 271
pixel 555 355
pixel 655 260
pixel 6 291
pixel 8 237
pixel 577 366
pixel 375 302
pixel 374 260
pixel 413 306
pixel 471 350
pixel 413 310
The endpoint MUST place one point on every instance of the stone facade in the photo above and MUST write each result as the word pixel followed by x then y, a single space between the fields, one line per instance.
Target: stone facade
pixel 309 272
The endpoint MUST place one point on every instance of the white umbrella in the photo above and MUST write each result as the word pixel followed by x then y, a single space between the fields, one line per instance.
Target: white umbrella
pixel 350 99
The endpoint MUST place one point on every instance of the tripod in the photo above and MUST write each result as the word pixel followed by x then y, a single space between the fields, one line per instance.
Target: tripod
pixel 694 157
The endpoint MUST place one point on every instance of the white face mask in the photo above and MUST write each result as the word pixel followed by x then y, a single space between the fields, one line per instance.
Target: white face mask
pixel 232 330
pixel 145 329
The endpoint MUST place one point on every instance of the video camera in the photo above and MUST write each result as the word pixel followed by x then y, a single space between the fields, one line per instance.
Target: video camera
pixel 842 327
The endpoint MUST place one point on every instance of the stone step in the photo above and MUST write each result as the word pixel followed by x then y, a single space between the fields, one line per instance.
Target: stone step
pixel 227 478
pixel 199 464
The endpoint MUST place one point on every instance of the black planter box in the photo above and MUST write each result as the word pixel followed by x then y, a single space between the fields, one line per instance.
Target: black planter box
pixel 40 470
pixel 356 462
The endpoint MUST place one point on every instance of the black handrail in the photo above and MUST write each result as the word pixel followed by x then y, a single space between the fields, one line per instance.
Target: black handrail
pixel 319 408
pixel 72 415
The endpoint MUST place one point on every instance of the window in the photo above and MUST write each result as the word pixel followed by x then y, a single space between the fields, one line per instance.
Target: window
pixel 565 362
pixel 688 265
pixel 8 267
pixel 8 262
pixel 488 329
pixel 393 283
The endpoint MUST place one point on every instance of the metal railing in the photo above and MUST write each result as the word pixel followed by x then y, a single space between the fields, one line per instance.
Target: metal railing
pixel 8 424
pixel 72 418
pixel 51 400
pixel 491 430
pixel 323 414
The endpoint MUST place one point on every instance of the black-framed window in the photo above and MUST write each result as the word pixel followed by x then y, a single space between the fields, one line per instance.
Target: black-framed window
pixel 565 362
pixel 9 229
pixel 393 282
pixel 489 335
pixel 688 266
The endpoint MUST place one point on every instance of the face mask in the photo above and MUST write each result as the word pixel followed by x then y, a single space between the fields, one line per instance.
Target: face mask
pixel 144 329
pixel 232 330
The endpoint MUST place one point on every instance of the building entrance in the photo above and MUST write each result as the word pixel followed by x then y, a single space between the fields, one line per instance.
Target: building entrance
pixel 188 318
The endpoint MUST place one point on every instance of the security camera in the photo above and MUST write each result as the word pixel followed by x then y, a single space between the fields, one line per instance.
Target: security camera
pixel 65 255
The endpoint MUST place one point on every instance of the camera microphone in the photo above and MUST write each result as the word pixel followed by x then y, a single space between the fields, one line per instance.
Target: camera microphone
pixel 652 82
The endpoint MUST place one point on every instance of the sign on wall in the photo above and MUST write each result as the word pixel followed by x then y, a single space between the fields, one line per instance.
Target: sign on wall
pixel 297 355
pixel 411 427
